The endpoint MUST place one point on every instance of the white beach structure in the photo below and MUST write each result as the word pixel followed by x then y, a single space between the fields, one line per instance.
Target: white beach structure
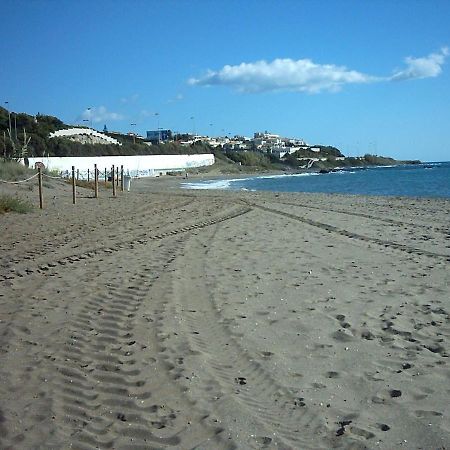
pixel 135 166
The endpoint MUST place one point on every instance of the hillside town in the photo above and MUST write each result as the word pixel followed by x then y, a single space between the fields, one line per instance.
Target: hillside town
pixel 41 135
pixel 262 142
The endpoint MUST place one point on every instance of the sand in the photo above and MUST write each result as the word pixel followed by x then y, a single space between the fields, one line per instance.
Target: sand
pixel 168 318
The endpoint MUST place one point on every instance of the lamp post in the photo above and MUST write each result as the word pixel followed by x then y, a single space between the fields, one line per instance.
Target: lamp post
pixel 90 116
pixel 193 127
pixel 157 126
pixel 9 119
pixel 90 137
pixel 134 134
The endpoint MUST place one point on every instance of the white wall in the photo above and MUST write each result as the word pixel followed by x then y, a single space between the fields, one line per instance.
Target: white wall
pixel 139 165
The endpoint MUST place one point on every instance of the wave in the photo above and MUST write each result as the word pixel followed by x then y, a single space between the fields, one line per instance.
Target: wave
pixel 227 183
pixel 210 184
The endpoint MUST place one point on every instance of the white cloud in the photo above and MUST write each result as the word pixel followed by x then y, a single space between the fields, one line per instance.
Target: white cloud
pixel 301 75
pixel 145 113
pixel 175 99
pixel 100 114
pixel 131 99
pixel 429 66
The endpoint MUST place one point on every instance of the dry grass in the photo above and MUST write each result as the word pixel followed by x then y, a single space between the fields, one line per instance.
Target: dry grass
pixel 90 184
pixel 13 171
pixel 10 203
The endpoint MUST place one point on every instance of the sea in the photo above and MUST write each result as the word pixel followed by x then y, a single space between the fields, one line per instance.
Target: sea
pixel 431 179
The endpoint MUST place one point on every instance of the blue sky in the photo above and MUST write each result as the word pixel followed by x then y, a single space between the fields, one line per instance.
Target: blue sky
pixel 366 76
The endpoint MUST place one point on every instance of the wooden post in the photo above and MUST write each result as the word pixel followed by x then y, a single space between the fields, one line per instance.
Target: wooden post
pixel 117 176
pixel 95 181
pixel 88 175
pixel 113 181
pixel 121 178
pixel 106 177
pixel 78 174
pixel 74 186
pixel 41 198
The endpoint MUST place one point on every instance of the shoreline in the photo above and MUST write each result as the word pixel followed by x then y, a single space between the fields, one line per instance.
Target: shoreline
pixel 225 319
pixel 222 182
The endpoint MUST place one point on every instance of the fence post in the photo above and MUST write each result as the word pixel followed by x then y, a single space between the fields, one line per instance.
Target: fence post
pixel 88 176
pixel 95 180
pixel 41 198
pixel 74 186
pixel 78 174
pixel 113 181
pixel 106 178
pixel 121 178
pixel 117 176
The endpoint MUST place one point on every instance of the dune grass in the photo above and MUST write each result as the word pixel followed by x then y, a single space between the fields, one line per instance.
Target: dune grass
pixel 9 203
pixel 13 171
pixel 91 184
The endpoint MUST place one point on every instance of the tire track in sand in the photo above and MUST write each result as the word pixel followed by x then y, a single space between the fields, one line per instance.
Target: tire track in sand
pixel 222 371
pixel 351 235
pixel 106 392
pixel 441 230
pixel 137 240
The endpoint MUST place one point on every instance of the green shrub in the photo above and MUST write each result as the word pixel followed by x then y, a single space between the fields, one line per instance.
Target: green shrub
pixel 9 203
pixel 250 159
pixel 13 171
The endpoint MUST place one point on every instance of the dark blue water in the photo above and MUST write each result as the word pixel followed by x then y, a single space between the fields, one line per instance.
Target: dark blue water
pixel 421 180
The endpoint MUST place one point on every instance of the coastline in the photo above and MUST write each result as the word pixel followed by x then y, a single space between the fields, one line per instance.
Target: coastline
pixel 223 319
pixel 425 180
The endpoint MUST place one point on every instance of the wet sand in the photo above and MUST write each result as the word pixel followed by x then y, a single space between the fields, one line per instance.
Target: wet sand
pixel 168 318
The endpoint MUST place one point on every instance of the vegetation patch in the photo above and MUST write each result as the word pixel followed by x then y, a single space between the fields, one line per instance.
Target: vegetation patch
pixel 13 171
pixel 90 184
pixel 9 203
pixel 39 127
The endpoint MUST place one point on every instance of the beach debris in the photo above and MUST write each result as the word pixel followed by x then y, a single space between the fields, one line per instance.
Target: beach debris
pixel 340 431
pixel 241 380
pixel 263 440
pixel 395 393
pixel 384 427
pixel 121 417
pixel 368 335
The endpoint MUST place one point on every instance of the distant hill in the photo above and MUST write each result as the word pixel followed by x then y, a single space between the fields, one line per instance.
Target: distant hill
pixel 39 127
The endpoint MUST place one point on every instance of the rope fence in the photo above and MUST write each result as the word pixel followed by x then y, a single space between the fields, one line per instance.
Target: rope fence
pixel 115 176
pixel 20 181
pixel 54 178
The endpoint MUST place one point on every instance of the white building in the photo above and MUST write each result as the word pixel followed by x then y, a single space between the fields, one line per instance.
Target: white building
pixel 263 139
pixel 280 151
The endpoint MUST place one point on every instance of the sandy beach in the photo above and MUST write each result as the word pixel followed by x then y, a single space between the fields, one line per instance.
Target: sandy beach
pixel 169 318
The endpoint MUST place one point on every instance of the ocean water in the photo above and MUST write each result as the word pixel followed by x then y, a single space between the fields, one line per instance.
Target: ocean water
pixel 418 180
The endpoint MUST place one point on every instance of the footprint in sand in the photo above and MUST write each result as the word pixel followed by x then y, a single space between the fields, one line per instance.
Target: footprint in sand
pixel 342 336
pixel 332 374
pixel 263 441
pixel 427 414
